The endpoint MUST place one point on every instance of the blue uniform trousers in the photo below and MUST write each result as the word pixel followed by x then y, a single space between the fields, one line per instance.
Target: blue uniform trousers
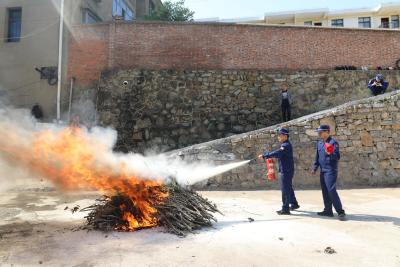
pixel 329 193
pixel 288 196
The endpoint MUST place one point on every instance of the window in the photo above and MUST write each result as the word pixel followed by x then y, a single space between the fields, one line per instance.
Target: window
pixel 89 17
pixel 14 24
pixel 121 8
pixel 337 23
pixel 308 23
pixel 395 21
pixel 384 23
pixel 317 23
pixel 364 22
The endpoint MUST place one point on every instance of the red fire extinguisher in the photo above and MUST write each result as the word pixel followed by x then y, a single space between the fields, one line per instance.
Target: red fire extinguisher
pixel 329 148
pixel 270 164
pixel 271 175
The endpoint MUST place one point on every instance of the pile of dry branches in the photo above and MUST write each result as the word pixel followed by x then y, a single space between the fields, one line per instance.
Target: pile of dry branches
pixel 182 212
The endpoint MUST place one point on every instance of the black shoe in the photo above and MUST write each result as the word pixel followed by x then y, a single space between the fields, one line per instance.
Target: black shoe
pixel 283 212
pixel 325 214
pixel 294 206
pixel 342 216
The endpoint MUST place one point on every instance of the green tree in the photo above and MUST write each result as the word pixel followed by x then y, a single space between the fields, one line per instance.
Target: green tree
pixel 172 11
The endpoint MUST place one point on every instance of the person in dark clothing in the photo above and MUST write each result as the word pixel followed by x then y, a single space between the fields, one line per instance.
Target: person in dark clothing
pixel 37 112
pixel 286 101
pixel 378 85
pixel 327 158
pixel 286 171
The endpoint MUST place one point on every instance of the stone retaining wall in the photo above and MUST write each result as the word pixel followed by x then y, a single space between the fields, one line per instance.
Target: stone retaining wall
pixel 368 132
pixel 170 109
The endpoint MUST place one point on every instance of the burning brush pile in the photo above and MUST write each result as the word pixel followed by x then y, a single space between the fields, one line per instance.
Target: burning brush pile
pixel 177 209
pixel 138 193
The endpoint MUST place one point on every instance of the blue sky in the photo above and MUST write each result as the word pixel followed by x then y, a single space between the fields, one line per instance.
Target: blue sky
pixel 257 8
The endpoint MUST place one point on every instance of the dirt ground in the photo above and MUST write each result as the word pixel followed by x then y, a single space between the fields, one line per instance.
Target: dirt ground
pixel 35 230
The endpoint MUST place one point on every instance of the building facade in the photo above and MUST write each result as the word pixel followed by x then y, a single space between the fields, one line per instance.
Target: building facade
pixel 29 43
pixel 384 16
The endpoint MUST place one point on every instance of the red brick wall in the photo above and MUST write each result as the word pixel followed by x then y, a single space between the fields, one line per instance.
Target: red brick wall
pixel 226 46
pixel 88 53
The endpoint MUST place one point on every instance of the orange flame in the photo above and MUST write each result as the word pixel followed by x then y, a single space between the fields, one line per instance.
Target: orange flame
pixel 68 159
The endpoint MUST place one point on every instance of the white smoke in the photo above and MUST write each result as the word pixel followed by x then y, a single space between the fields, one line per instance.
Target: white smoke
pixel 11 176
pixel 18 129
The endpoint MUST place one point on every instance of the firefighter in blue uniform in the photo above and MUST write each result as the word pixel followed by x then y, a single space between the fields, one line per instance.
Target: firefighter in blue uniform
pixel 327 159
pixel 286 171
pixel 378 85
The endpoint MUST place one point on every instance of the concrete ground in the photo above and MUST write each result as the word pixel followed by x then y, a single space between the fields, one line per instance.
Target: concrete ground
pixel 35 230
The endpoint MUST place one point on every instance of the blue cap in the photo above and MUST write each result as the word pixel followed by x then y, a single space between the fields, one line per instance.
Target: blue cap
pixel 380 77
pixel 323 128
pixel 283 131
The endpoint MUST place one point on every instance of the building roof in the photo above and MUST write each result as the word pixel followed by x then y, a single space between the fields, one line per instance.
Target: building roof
pixel 231 20
pixel 325 12
pixel 290 16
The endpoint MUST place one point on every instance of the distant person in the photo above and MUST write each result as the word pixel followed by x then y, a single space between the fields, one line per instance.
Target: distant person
pixel 378 85
pixel 286 101
pixel 37 112
pixel 75 122
pixel 327 159
pixel 286 171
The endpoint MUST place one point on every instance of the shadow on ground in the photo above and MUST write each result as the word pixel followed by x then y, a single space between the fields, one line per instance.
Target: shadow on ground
pixel 351 217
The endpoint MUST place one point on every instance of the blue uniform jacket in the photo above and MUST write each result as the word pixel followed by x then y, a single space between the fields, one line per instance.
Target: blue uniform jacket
pixel 377 89
pixel 323 160
pixel 285 156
